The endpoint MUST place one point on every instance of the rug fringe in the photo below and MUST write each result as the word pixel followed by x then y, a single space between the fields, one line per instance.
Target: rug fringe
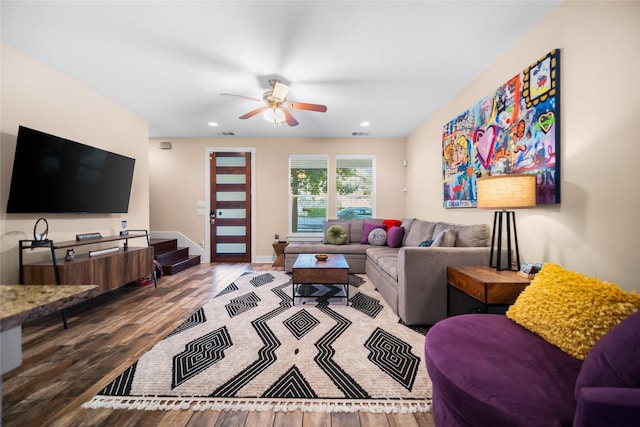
pixel 240 404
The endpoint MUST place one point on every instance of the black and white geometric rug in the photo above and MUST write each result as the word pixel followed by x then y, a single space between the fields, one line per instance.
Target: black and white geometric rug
pixel 249 348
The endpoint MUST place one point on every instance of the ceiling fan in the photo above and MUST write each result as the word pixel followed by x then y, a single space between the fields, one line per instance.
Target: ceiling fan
pixel 275 108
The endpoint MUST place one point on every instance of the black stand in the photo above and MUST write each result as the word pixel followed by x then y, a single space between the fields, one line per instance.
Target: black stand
pixel 497 219
pixel 39 243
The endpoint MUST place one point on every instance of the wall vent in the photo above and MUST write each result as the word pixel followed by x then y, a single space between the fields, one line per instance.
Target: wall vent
pixel 228 134
pixel 359 133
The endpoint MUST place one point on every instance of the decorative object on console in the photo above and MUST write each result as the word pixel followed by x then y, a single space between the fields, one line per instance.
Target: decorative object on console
pixel 506 192
pixel 88 236
pixel 103 251
pixel 39 233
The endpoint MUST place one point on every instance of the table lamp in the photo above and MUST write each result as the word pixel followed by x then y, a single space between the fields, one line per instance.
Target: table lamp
pixel 505 192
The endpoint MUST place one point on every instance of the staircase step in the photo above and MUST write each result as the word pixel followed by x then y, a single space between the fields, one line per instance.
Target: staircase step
pixel 161 246
pixel 177 267
pixel 173 257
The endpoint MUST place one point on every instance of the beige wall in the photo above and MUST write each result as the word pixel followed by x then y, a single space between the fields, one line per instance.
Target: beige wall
pixel 596 228
pixel 36 96
pixel 178 181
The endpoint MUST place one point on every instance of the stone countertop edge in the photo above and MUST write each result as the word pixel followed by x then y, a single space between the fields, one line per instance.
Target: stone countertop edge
pixel 22 303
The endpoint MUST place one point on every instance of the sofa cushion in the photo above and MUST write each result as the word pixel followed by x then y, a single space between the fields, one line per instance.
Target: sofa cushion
pixel 337 235
pixel 467 235
pixel 613 360
pixel 419 232
pixel 385 258
pixel 444 239
pixel 570 310
pixel 394 237
pixel 367 228
pixel 355 230
pixel 378 237
pixel 327 224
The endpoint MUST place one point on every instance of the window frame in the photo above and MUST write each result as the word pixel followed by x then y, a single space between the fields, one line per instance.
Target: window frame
pixel 297 235
pixel 373 189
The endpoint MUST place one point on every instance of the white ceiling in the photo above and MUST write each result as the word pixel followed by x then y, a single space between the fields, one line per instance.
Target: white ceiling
pixel 392 63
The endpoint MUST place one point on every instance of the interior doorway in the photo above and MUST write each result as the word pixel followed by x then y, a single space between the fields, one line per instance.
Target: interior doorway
pixel 230 205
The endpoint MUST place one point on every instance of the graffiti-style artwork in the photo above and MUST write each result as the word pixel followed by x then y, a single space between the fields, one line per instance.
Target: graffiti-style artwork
pixel 512 131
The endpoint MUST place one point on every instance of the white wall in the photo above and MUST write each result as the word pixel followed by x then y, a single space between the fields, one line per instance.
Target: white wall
pixel 38 97
pixel 595 230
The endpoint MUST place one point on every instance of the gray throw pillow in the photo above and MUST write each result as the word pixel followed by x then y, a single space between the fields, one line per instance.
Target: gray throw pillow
pixel 378 237
pixel 445 239
pixel 419 232
pixel 476 235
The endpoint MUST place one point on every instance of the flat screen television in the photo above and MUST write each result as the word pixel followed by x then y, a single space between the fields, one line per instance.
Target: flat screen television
pixel 56 175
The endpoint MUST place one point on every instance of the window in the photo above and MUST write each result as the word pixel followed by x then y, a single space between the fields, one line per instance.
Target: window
pixel 355 186
pixel 308 193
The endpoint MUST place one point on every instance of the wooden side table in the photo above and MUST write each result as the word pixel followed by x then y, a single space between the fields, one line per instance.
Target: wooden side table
pixel 278 248
pixel 480 289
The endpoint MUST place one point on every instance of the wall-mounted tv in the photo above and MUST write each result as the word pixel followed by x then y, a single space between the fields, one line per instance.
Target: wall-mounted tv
pixel 56 175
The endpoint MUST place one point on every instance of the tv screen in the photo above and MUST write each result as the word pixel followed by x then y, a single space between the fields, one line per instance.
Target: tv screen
pixel 57 175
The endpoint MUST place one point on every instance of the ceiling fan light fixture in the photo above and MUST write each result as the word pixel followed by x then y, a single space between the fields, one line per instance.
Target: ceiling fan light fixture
pixel 274 115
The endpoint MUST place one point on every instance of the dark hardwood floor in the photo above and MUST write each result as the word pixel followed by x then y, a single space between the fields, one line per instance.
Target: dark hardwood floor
pixel 62 369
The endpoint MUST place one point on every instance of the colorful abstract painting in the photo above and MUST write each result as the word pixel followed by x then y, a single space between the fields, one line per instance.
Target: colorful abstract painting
pixel 514 130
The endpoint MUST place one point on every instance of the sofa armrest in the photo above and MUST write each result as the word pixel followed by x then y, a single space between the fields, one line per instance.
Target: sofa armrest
pixel 422 279
pixel 608 406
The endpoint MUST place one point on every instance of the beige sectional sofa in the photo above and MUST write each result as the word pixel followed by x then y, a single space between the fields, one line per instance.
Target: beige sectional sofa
pixel 412 279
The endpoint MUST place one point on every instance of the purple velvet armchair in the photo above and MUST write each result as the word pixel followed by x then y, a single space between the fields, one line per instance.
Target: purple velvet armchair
pixel 489 371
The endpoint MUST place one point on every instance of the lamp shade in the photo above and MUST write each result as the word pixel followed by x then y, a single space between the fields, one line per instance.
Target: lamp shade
pixel 506 192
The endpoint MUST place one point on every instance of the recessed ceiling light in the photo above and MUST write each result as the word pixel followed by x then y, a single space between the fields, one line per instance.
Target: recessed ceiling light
pixel 212 124
pixel 365 124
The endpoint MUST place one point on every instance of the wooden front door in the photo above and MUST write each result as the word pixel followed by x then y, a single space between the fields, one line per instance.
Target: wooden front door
pixel 230 210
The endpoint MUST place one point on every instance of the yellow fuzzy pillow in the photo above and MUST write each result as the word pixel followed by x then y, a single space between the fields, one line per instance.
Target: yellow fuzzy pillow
pixel 570 310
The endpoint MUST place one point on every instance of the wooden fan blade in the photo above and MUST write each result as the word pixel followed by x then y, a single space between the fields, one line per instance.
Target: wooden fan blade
pixel 253 113
pixel 309 107
pixel 280 91
pixel 290 120
pixel 241 96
